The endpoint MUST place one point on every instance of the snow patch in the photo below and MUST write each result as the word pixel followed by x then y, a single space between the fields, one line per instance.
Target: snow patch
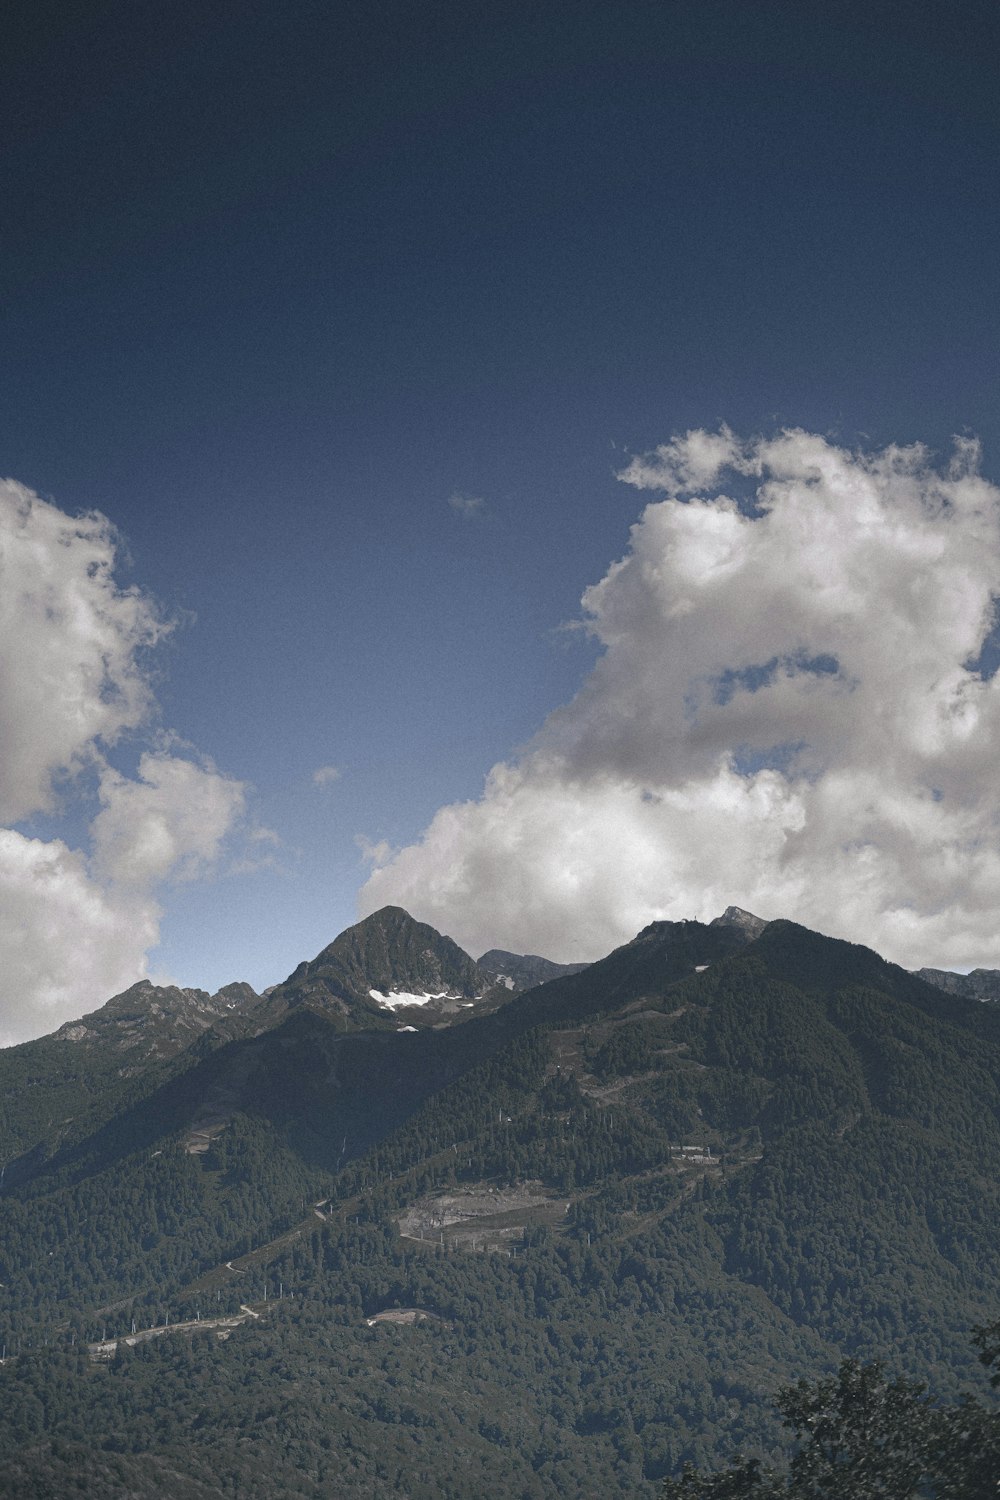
pixel 395 998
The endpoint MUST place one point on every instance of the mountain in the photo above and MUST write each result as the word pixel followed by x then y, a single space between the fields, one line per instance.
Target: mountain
pixel 560 1248
pixel 388 971
pixel 639 972
pixel 522 971
pixel 980 984
pixel 155 1022
pixel 745 921
pixel 385 974
pixel 60 1089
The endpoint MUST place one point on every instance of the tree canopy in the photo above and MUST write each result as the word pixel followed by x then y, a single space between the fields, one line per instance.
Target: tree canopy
pixel 863 1436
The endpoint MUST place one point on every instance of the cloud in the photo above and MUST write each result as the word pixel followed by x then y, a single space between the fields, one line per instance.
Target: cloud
pixel 786 714
pixel 468 506
pixel 260 851
pixel 67 943
pixel 375 854
pixel 76 925
pixel 326 776
pixel 73 643
pixel 170 822
pixel 689 464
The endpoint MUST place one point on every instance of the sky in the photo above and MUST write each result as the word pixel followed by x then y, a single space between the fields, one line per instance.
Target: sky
pixel 535 465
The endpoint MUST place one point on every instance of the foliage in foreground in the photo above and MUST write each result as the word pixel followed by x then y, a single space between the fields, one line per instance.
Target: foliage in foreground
pixel 863 1437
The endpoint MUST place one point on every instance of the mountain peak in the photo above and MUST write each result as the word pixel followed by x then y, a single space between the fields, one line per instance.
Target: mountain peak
pixel 388 969
pixel 735 916
pixel 522 971
pixel 157 1020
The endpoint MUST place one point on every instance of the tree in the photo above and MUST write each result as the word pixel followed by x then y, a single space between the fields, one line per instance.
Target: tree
pixel 862 1436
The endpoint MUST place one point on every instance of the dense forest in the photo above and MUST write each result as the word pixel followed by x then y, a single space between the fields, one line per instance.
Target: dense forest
pixel 566 1248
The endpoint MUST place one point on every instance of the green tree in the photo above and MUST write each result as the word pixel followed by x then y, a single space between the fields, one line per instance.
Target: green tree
pixel 862 1436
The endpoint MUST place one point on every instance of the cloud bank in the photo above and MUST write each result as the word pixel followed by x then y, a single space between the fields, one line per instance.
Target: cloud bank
pixel 787 714
pixel 76 924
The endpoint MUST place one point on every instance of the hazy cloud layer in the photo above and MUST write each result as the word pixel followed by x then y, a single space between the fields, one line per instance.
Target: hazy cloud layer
pixel 787 715
pixel 76 924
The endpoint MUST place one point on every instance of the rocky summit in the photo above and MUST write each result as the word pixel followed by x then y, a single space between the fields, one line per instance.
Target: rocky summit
pixel 152 1022
pixel 391 972
pixel 978 984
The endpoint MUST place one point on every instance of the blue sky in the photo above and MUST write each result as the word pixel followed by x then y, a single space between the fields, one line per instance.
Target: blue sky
pixel 282 282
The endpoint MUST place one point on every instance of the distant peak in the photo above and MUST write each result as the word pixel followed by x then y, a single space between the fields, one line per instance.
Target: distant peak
pixel 978 984
pixel 735 916
pixel 386 961
pixel 522 971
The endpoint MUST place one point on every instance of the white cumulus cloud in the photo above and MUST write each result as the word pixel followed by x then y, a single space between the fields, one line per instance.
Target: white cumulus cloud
pixel 72 640
pixel 786 714
pixel 66 942
pixel 76 925
pixel 169 822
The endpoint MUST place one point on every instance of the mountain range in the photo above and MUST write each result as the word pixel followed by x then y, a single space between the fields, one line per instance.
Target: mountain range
pixel 409 1223
pixel 978 984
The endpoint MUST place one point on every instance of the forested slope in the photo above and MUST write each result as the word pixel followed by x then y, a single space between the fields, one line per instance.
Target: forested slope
pixel 620 1212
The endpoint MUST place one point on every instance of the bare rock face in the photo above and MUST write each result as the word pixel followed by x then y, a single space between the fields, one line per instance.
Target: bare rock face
pixel 981 984
pixel 735 916
pixel 151 1022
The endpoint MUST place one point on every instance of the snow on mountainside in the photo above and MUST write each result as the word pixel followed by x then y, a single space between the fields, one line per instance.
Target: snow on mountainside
pixel 388 971
pixel 395 998
pixel 522 971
